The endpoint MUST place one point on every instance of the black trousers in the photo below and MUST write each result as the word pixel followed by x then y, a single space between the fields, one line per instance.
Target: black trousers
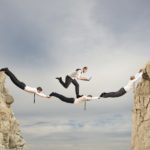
pixel 115 94
pixel 68 81
pixel 63 98
pixel 14 79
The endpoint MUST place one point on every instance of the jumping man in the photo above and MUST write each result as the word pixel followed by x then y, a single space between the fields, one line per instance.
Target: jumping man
pixel 73 77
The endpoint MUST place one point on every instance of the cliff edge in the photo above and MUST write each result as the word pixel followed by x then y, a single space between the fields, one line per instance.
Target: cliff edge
pixel 10 134
pixel 141 115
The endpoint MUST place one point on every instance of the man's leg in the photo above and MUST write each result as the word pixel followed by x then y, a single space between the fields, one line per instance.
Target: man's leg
pixel 13 78
pixel 76 84
pixel 114 94
pixel 63 98
pixel 67 82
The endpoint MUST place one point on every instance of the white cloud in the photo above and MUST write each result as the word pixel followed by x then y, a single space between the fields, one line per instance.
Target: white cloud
pixel 77 132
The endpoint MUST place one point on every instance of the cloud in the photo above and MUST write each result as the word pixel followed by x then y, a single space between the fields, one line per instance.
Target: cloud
pixel 121 17
pixel 50 37
pixel 80 132
pixel 117 123
pixel 22 39
pixel 62 37
pixel 40 42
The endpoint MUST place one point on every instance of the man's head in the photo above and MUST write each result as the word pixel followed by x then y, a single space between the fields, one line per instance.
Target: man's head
pixel 85 68
pixel 39 89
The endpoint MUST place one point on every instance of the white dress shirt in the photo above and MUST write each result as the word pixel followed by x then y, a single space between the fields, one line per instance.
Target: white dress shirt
pixel 34 90
pixel 76 74
pixel 84 98
pixel 133 83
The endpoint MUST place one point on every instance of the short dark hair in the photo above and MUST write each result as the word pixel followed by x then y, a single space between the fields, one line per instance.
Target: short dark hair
pixel 78 69
pixel 85 67
pixel 39 89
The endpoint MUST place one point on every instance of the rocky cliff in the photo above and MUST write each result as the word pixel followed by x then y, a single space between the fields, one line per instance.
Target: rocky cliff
pixel 10 134
pixel 141 115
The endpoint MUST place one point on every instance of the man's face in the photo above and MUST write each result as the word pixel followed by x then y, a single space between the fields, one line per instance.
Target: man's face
pixel 39 91
pixel 84 70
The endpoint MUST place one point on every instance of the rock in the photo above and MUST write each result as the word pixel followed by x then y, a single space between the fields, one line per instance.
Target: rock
pixel 141 115
pixel 10 134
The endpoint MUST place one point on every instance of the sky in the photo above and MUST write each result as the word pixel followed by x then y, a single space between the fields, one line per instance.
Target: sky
pixel 43 39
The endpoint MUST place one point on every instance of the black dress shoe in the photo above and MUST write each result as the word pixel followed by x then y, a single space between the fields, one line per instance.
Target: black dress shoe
pixel 52 94
pixel 102 95
pixel 59 78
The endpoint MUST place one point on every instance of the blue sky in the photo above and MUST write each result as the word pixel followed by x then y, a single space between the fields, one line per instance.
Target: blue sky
pixel 40 40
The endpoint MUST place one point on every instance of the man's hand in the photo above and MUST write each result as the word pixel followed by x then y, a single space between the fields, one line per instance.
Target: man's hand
pixel 132 77
pixel 145 76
